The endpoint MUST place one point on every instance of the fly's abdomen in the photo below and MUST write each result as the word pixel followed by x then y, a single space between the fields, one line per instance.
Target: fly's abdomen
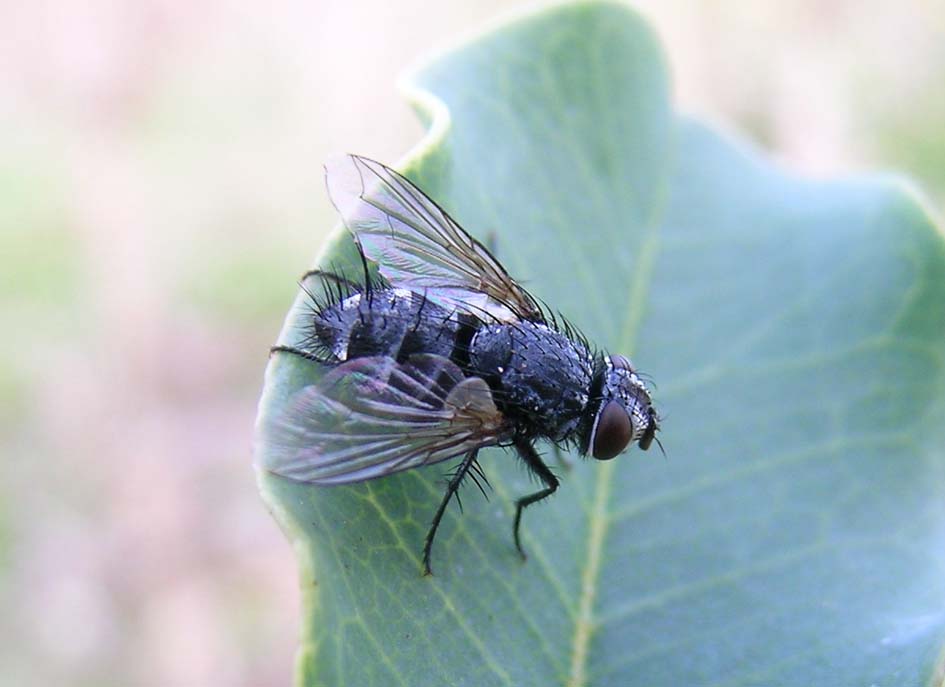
pixel 389 322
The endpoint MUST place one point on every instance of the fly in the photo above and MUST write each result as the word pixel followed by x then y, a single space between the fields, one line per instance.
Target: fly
pixel 439 356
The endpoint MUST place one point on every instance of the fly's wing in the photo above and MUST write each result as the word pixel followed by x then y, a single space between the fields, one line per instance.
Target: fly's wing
pixel 373 416
pixel 417 246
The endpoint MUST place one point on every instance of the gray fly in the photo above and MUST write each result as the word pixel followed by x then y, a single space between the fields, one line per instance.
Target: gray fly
pixel 439 354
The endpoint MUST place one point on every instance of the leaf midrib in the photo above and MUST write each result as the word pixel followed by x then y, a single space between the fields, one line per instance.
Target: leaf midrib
pixel 599 519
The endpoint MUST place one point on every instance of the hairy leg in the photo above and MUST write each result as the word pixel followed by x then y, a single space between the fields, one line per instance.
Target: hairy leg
pixel 529 455
pixel 455 481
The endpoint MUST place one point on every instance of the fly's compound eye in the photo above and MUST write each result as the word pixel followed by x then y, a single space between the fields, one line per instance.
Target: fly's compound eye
pixel 621 362
pixel 612 431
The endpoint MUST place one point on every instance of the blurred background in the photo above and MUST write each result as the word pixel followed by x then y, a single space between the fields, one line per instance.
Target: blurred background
pixel 160 192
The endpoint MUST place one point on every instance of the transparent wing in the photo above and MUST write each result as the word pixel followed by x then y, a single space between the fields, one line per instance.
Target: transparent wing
pixel 372 416
pixel 417 246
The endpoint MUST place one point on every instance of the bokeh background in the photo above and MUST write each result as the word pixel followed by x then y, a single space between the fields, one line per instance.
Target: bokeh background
pixel 160 191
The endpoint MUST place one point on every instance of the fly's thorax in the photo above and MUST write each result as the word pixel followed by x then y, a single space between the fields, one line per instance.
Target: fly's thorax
pixel 541 376
pixel 621 410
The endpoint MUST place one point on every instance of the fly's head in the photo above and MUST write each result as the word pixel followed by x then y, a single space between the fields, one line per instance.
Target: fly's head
pixel 623 412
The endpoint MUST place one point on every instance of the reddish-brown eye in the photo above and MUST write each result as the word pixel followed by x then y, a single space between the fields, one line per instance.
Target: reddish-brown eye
pixel 621 362
pixel 612 431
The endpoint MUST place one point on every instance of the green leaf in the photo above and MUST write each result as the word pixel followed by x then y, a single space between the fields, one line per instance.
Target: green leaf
pixel 795 534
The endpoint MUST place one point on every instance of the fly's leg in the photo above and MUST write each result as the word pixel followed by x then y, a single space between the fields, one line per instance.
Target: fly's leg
pixel 468 462
pixel 528 454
